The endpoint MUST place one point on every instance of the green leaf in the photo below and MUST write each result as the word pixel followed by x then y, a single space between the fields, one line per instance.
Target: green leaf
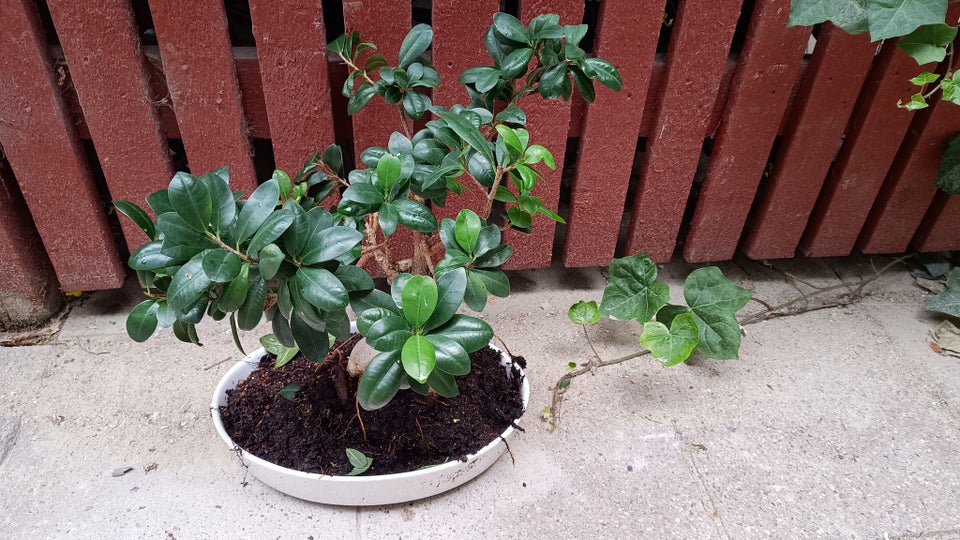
pixel 415 216
pixel 270 230
pixel 551 82
pixel 916 103
pixel 283 182
pixel 511 140
pixel 495 281
pixel 388 172
pixel 925 78
pixel 224 203
pixel 475 294
pixel 159 202
pixel 443 384
pixel 671 346
pixel 515 63
pixel 451 358
pixel 892 18
pixel 947 302
pixel 304 227
pixel 271 257
pixel 667 313
pixel 419 299
pixel 546 27
pixel 928 43
pixel 487 79
pixel 603 71
pixel 360 98
pixel 250 313
pixel 235 292
pixel 471 333
pixel 415 104
pixel 149 257
pixel 281 326
pixel 951 88
pixel 418 357
pixel 142 321
pixel 536 153
pixel 414 44
pixel 632 292
pixel 191 200
pixel 381 380
pixel 375 298
pixel 451 287
pixel 850 15
pixel 289 392
pixel 286 355
pixel 271 344
pixel 510 27
pixel 388 217
pixel 466 131
pixel 519 217
pixel 175 231
pixel 714 301
pixel 584 312
pixel 138 215
pixel 189 285
pixel 494 258
pixel 360 462
pixel 948 175
pixel 584 84
pixel 186 332
pixel 321 288
pixel 329 244
pixel 575 33
pixel 467 229
pixel 388 334
pixel 512 115
pixel 354 278
pixel 257 209
pixel 221 266
pixel 313 344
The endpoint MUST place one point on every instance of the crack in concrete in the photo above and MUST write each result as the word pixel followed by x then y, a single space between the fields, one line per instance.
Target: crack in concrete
pixel 705 499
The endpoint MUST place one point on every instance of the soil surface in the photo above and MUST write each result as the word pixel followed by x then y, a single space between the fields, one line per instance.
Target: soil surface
pixel 312 432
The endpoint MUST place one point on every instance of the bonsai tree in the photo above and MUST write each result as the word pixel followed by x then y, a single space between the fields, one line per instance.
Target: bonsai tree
pixel 285 251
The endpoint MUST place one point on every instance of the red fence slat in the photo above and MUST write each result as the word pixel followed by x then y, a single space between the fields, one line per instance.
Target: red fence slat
pixel 908 189
pixel 458 31
pixel 549 124
pixel 827 94
pixel 198 63
pixel 940 229
pixel 48 160
pixel 765 76
pixel 107 67
pixel 626 35
pixel 291 46
pixel 696 60
pixel 874 134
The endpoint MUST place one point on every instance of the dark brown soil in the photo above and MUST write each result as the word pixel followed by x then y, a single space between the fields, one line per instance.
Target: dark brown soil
pixel 313 432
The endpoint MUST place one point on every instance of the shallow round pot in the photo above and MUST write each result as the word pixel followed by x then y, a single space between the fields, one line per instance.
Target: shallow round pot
pixel 360 490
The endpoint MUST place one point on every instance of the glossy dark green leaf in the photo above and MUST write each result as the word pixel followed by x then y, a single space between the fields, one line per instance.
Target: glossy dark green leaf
pixel 415 216
pixel 138 215
pixel 584 84
pixel 419 299
pixel 416 42
pixel 488 239
pixel 313 344
pixel 251 311
pixel 142 321
pixel 714 301
pixel 360 98
pixel 186 332
pixel 443 384
pixel 329 244
pixel 487 79
pixel 546 26
pixel 281 329
pixel 194 313
pixel 551 82
pixel 159 202
pixel 415 104
pixel 470 332
pixel 494 258
pixel 451 287
pixel 451 358
pixel 418 358
pixel 389 333
pixel 475 294
pixel 271 257
pixel 512 115
pixel 510 27
pixel 354 278
pixel 189 284
pixel 369 317
pixel 515 64
pixel 271 229
pixel 430 150
pixel 388 217
pixel 304 227
pixel 235 292
pixel 149 257
pixel 221 266
pixel 191 200
pixel 373 299
pixel 603 71
pixel 224 206
pixel 466 131
pixel 257 209
pixel 321 288
pixel 519 217
pixel 366 194
pixel 381 380
pixel 467 229
pixel 575 33
pixel 174 230
pixel 495 281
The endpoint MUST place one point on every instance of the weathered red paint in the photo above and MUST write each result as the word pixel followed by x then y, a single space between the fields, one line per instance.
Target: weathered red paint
pixel 549 124
pixel 291 45
pixel 627 36
pixel 29 291
pixel 908 189
pixel 458 30
pixel 107 68
pixel 828 93
pixel 873 136
pixel 761 89
pixel 699 45
pixel 48 160
pixel 199 69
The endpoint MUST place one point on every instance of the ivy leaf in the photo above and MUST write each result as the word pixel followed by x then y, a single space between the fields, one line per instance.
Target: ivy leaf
pixel 948 302
pixel 925 78
pixel 916 103
pixel 951 88
pixel 584 312
pixel 928 43
pixel 892 18
pixel 674 345
pixel 632 292
pixel 289 392
pixel 948 175
pixel 360 462
pixel 714 301
pixel 850 15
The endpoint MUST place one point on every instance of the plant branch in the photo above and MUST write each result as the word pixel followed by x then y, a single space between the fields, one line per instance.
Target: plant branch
pixel 238 253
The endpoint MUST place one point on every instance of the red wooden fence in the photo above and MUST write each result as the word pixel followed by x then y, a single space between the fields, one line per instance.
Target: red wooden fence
pixel 725 136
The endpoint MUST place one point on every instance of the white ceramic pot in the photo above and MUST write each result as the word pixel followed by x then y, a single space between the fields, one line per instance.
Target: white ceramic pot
pixel 360 490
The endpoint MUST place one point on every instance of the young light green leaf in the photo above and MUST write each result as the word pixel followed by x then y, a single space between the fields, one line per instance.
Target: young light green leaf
pixel 714 301
pixel 584 312
pixel 388 172
pixel 535 153
pixel 925 78
pixel 283 182
pixel 674 345
pixel 418 357
pixel 286 355
pixel 633 292
pixel 917 102
pixel 360 462
pixel 419 299
pixel 467 229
